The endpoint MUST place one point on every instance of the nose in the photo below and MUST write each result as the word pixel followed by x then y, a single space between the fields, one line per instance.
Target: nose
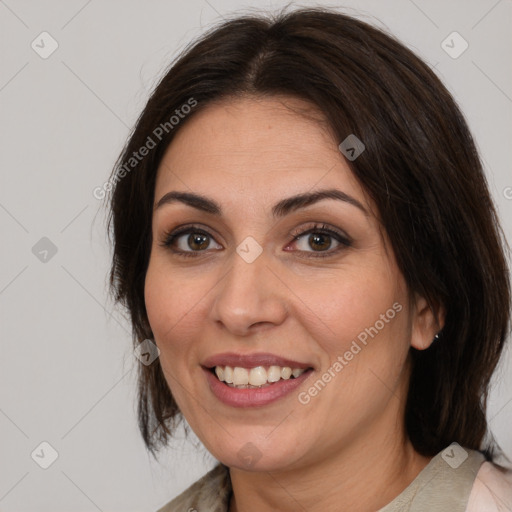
pixel 249 298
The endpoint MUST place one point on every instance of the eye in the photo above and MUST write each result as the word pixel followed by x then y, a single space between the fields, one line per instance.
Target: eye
pixel 189 241
pixel 321 239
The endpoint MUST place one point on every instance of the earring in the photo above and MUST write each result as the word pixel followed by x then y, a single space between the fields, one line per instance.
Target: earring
pixel 437 336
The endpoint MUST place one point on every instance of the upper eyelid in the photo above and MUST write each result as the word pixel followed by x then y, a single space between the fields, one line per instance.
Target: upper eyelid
pixel 321 227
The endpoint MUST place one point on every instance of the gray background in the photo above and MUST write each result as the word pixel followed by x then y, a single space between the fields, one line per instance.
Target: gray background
pixel 66 367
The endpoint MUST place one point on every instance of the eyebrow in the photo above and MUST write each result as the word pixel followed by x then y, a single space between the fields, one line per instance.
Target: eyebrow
pixel 280 209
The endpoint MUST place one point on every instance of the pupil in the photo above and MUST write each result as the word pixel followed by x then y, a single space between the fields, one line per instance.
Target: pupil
pixel 322 242
pixel 198 241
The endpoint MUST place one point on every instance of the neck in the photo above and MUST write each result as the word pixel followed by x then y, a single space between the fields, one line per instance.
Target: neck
pixel 359 483
pixel 364 475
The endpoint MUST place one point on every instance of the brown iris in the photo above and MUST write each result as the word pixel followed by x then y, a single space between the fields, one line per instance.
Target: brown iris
pixel 197 241
pixel 319 241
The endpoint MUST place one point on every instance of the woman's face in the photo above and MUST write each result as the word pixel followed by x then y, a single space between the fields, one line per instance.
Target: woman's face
pixel 261 280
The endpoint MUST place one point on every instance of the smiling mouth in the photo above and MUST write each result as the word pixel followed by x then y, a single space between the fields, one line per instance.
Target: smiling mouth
pixel 257 377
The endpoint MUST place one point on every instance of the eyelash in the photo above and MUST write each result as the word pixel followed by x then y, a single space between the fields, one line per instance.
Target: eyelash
pixel 171 236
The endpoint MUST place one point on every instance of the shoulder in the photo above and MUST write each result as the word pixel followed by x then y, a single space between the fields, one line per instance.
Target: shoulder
pixel 492 489
pixel 211 492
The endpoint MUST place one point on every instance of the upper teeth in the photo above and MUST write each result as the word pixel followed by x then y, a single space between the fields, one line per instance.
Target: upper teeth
pixel 257 376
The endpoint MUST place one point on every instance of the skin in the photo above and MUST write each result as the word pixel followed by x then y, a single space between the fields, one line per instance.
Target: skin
pixel 346 449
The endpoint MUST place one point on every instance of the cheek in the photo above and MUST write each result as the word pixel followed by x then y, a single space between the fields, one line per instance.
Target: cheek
pixel 361 327
pixel 341 307
pixel 172 302
pixel 161 305
pixel 173 306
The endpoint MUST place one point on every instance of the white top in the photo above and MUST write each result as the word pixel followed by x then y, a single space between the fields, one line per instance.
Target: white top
pixel 492 490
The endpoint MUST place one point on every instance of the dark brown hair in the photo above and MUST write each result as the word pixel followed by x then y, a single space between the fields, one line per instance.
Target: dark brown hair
pixel 420 167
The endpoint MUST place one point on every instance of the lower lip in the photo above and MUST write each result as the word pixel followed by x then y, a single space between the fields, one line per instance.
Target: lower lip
pixel 253 397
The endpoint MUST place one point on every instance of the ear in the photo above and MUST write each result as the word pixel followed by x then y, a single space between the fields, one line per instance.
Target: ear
pixel 424 323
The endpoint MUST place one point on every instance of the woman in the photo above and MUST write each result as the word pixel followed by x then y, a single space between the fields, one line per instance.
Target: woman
pixel 302 226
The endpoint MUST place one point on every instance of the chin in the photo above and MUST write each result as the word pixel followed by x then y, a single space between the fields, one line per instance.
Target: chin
pixel 249 453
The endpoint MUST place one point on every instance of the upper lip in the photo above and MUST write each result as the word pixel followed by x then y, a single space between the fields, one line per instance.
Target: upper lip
pixel 251 360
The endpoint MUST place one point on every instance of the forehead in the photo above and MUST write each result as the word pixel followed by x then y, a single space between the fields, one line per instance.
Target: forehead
pixel 258 146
